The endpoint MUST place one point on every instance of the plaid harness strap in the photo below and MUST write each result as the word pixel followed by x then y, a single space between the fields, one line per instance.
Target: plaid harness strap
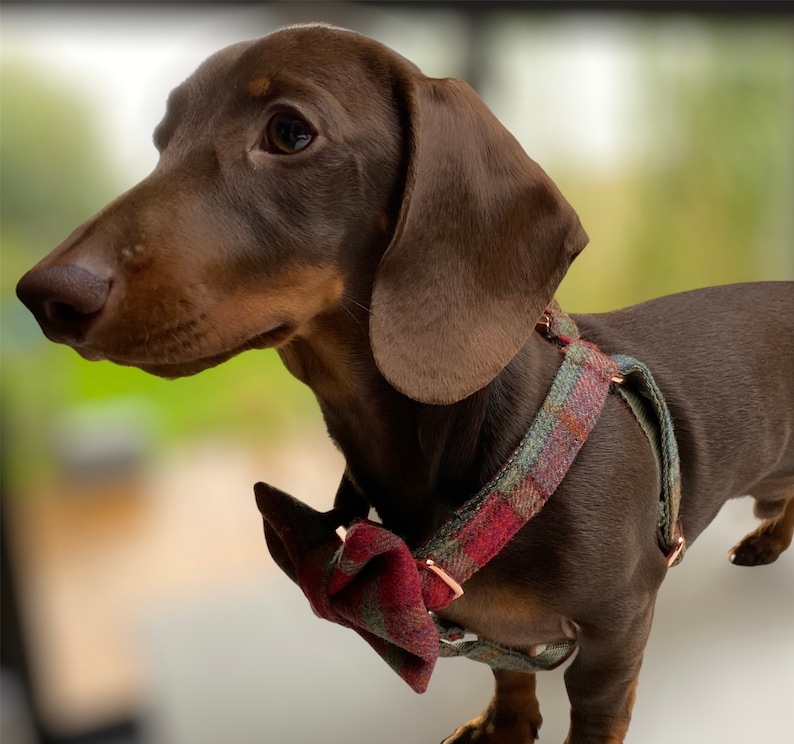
pixel 372 582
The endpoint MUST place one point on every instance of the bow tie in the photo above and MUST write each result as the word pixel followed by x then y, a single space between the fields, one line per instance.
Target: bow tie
pixel 369 582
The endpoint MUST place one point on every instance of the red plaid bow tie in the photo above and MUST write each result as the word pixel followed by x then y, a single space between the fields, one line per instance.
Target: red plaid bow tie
pixel 372 583
pixel 369 582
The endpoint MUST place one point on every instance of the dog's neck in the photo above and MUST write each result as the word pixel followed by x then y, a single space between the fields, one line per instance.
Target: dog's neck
pixel 413 462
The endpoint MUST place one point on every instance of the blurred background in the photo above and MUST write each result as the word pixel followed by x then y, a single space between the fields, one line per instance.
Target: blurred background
pixel 139 602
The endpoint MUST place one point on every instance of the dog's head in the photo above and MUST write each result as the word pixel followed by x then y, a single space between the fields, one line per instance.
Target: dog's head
pixel 299 171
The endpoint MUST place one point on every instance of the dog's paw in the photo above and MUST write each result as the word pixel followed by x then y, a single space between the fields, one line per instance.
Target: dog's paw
pixel 757 549
pixel 483 730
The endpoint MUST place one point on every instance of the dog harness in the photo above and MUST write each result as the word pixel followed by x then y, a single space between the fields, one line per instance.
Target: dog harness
pixel 370 581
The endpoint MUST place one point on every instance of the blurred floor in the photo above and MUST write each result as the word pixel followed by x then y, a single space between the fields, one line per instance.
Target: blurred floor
pixel 95 558
pixel 186 617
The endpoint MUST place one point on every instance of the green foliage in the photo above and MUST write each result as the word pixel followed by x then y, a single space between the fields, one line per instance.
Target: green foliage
pixel 52 179
pixel 711 201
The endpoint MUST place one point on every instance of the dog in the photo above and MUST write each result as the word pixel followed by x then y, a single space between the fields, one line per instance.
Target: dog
pixel 317 194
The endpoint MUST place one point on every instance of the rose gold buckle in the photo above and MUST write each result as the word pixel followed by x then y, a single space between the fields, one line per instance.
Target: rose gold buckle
pixel 430 564
pixel 680 544
pixel 543 325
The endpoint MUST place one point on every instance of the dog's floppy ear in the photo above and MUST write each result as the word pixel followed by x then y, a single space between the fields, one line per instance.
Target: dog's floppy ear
pixel 482 240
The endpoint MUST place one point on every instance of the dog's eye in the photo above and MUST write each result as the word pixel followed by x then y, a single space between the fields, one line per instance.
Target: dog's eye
pixel 287 134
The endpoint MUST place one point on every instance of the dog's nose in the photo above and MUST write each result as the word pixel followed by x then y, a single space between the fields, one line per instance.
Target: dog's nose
pixel 63 299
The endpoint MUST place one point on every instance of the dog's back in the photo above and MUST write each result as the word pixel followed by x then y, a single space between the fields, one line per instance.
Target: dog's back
pixel 723 357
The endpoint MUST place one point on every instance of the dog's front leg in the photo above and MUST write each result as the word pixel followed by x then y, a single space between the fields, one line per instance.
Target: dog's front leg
pixel 512 716
pixel 602 679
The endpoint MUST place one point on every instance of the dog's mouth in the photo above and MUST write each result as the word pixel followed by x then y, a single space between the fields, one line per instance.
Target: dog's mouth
pixel 273 338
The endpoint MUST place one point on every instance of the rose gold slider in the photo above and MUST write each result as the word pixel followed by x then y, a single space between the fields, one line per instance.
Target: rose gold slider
pixel 680 543
pixel 430 564
pixel 543 326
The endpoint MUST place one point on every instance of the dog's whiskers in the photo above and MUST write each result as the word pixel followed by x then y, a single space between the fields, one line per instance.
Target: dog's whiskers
pixel 351 313
pixel 363 307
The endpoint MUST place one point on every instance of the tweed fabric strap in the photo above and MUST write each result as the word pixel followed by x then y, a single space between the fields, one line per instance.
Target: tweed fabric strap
pixel 646 401
pixel 372 583
pixel 458 642
pixel 479 530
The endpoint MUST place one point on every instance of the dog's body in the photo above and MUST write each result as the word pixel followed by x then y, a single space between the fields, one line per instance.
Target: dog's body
pixel 317 194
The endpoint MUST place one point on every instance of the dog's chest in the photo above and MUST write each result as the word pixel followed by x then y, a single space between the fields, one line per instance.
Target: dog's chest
pixel 506 616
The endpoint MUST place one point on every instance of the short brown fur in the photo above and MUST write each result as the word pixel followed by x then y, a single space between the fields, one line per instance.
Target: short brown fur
pixel 398 263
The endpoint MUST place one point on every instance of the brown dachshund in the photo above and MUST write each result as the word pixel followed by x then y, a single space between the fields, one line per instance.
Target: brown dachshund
pixel 317 194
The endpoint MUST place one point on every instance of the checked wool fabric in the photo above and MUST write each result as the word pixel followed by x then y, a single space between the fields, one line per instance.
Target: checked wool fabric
pixel 479 530
pixel 371 582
